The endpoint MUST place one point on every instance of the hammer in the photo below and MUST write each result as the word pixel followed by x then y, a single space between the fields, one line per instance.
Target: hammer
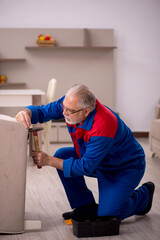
pixel 35 137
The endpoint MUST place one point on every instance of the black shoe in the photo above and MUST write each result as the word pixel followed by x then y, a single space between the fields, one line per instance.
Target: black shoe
pixel 68 215
pixel 151 188
pixel 87 210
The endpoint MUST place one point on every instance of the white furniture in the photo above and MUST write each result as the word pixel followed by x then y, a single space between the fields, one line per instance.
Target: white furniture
pixel 154 133
pixel 13 162
pixel 59 133
pixel 20 97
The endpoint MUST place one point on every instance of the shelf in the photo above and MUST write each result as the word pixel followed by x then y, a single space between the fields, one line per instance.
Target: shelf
pixel 12 59
pixel 12 85
pixel 71 47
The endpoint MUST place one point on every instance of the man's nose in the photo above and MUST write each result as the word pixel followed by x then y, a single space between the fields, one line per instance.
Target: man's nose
pixel 65 112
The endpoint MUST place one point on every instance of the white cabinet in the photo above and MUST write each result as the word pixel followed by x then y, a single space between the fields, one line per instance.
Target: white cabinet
pixel 59 132
pixel 54 133
pixel 63 134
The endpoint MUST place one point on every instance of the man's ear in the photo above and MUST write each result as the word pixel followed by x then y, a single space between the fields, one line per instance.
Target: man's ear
pixel 87 111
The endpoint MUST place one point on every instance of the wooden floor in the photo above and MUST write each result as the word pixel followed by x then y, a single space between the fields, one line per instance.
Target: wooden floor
pixel 46 201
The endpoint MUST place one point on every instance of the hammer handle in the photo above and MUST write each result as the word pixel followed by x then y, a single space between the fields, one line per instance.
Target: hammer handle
pixel 36 143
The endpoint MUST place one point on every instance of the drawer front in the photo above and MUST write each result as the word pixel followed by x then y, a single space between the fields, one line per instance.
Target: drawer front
pixel 54 133
pixel 63 134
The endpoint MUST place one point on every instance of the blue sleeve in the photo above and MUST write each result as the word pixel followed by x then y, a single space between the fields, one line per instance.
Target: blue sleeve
pixel 47 112
pixel 96 150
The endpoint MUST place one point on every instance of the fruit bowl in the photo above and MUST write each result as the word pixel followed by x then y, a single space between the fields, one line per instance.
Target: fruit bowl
pixel 45 41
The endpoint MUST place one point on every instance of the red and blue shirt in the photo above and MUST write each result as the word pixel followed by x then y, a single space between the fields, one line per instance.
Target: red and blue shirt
pixel 103 142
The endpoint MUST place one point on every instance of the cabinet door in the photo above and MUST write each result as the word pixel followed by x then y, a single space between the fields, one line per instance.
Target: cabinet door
pixel 63 134
pixel 54 133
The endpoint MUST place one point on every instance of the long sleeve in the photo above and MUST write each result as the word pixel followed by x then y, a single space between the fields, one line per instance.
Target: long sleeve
pixel 47 112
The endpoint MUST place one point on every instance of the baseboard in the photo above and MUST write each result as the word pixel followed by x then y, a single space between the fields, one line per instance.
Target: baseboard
pixel 141 134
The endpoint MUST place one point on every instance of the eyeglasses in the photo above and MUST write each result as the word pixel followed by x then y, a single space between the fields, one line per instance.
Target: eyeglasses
pixel 71 111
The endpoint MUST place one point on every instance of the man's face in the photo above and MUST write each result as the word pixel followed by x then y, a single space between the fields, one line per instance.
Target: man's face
pixel 72 112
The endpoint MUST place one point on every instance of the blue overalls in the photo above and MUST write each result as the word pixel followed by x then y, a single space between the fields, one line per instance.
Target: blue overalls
pixel 104 148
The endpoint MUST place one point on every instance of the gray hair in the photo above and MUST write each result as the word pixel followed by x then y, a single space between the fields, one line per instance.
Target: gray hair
pixel 85 96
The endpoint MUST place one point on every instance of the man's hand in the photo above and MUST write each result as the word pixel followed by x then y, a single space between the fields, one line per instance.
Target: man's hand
pixel 43 159
pixel 24 117
pixel 40 158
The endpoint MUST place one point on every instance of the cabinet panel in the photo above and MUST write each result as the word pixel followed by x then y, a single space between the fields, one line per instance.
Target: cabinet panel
pixel 54 133
pixel 63 134
pixel 59 133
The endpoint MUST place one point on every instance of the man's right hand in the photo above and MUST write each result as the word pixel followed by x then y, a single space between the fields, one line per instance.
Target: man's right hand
pixel 24 117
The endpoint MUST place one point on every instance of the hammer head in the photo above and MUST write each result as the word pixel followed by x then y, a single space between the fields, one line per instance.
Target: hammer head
pixel 35 129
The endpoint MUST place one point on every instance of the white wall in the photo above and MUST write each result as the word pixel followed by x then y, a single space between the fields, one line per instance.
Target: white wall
pixel 137 36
